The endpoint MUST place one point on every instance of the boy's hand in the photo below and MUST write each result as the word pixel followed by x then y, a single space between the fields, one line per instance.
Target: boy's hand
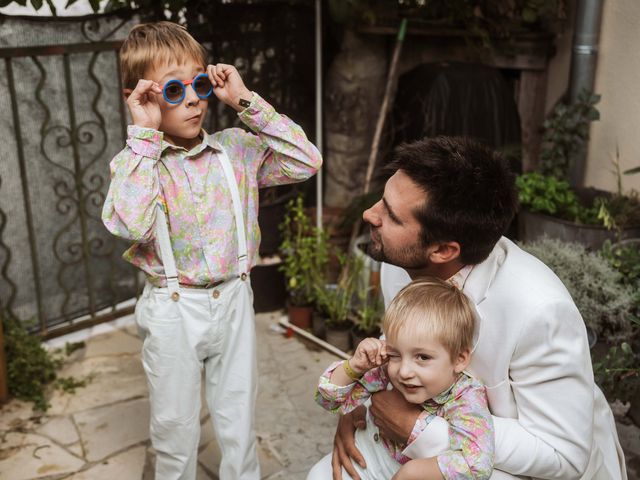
pixel 228 85
pixel 144 108
pixel 371 353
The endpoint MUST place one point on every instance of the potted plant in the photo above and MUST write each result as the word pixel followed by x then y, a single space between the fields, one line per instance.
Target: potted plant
pixel 305 252
pixel 335 301
pixel 367 315
pixel 549 207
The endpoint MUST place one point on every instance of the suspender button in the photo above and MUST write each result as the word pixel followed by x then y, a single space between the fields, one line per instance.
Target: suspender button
pixel 243 276
pixel 216 293
pixel 175 296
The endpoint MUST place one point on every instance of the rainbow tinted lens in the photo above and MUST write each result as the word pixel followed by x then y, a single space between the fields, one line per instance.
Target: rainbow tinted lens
pixel 174 90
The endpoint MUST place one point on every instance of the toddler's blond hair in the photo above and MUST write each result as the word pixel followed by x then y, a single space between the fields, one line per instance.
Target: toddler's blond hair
pixel 152 45
pixel 431 307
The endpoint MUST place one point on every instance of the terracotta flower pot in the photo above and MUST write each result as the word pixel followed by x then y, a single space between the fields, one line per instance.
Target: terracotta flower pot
pixel 300 316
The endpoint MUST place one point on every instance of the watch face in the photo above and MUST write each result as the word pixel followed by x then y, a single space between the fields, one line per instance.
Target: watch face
pixel 244 103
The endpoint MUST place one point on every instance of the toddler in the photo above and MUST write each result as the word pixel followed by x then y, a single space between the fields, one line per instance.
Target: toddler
pixel 428 330
pixel 189 202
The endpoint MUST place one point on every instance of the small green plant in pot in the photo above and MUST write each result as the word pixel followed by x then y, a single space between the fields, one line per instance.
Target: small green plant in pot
pixel 367 315
pixel 305 251
pixel 335 301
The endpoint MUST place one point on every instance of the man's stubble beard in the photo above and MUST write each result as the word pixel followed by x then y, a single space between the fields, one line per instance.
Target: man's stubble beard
pixel 411 257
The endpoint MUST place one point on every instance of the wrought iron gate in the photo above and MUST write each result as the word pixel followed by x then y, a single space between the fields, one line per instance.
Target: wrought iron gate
pixel 62 121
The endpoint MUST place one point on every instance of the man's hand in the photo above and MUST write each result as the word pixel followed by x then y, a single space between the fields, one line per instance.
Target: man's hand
pixel 393 415
pixel 344 445
pixel 144 108
pixel 228 85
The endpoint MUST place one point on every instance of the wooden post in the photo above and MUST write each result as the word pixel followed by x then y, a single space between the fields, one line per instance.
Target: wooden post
pixel 4 381
pixel 531 102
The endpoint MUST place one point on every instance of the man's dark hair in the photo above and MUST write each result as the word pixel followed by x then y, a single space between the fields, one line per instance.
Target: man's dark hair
pixel 471 194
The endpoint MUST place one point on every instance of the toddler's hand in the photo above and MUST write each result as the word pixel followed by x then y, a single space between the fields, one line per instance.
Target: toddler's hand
pixel 144 108
pixel 228 85
pixel 370 353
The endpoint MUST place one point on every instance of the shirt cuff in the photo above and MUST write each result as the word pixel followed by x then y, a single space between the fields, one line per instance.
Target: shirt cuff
pixel 146 142
pixel 258 114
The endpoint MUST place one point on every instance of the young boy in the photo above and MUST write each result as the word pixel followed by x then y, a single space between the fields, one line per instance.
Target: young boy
pixel 428 330
pixel 189 201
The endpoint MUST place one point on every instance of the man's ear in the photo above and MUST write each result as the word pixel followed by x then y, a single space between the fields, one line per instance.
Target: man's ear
pixel 463 361
pixel 444 252
pixel 126 92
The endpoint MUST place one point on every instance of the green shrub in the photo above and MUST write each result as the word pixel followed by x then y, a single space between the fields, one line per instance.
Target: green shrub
pixel 304 249
pixel 549 195
pixel 31 368
pixel 617 373
pixel 566 133
pixel 605 303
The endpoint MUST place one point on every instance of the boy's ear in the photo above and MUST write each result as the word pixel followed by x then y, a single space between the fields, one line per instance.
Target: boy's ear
pixel 463 361
pixel 444 252
pixel 126 92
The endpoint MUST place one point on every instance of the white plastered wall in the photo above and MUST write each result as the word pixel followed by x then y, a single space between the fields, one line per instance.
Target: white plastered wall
pixel 618 81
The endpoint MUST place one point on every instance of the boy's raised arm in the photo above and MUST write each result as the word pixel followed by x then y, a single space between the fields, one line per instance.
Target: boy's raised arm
pixel 129 209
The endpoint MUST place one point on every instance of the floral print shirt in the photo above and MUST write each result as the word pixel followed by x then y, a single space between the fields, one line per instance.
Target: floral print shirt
pixel 195 192
pixel 463 406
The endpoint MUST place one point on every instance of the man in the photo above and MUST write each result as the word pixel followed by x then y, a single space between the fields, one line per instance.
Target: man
pixel 443 213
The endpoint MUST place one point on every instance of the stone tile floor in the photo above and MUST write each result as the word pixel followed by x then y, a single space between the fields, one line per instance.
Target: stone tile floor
pixel 101 431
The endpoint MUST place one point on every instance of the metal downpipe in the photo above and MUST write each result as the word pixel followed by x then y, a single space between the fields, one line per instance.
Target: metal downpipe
pixel 583 67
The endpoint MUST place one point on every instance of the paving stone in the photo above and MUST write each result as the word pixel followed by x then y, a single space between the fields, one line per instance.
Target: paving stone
pixel 29 456
pixel 113 343
pixel 61 429
pixel 207 434
pixel 76 449
pixel 114 379
pixel 210 459
pixel 109 429
pixel 16 414
pixel 126 465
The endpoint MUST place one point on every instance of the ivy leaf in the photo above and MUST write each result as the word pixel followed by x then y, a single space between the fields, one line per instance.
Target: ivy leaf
pixel 36 4
pixel 95 5
pixel 69 3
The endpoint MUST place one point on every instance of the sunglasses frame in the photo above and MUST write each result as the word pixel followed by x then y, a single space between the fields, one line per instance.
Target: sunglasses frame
pixel 184 89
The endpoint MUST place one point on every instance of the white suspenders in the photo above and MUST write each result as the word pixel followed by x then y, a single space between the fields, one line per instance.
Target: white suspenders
pixel 162 232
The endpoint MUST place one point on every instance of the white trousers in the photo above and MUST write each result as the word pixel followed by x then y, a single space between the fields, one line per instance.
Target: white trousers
pixel 380 464
pixel 206 328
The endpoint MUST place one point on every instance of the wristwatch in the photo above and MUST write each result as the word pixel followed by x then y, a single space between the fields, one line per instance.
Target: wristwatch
pixel 244 103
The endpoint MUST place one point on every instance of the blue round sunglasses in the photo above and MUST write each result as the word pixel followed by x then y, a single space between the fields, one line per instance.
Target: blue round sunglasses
pixel 174 90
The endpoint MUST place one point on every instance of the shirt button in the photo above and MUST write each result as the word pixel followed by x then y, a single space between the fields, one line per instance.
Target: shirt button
pixel 216 293
pixel 376 437
pixel 175 296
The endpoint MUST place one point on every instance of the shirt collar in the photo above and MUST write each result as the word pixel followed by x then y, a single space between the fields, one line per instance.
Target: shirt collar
pixel 460 277
pixel 207 141
pixel 445 396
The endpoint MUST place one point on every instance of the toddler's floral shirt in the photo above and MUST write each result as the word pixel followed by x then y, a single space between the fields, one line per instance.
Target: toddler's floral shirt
pixel 463 406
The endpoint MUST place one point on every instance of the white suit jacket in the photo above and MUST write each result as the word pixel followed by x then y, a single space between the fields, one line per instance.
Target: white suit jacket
pixel 531 350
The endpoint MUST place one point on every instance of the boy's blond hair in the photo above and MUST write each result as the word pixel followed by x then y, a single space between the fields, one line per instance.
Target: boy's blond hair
pixel 151 45
pixel 431 307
